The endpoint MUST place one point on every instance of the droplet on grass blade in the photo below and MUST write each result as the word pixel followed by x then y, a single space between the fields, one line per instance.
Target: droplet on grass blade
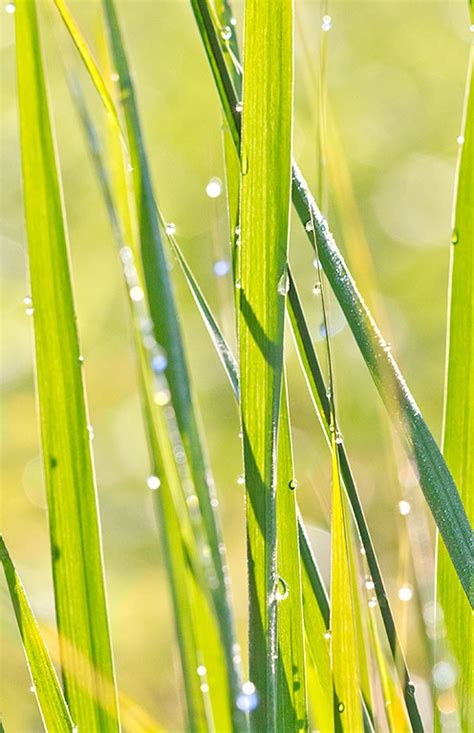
pixel 171 228
pixel 247 699
pixel 444 675
pixel 292 484
pixel 284 284
pixel 136 294
pixel 214 188
pixel 29 310
pixel 10 8
pixel 281 590
pixel 153 483
pixel 404 507
pixel 221 268
pixel 405 593
pixel 159 363
pixel 226 33
pixel 201 670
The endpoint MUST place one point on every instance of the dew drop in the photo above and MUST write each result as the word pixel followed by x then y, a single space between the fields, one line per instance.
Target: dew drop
pixel 221 268
pixel 404 507
pixel 455 237
pixel 238 283
pixel 226 33
pixel 444 675
pixel 126 255
pixel 32 688
pixel 341 707
pixel 115 77
pixel 309 226
pixel 281 590
pixel 136 294
pixel 171 228
pixel 214 188
pixel 247 699
pixel 411 688
pixel 239 107
pixel 292 484
pixel 159 363
pixel 245 163
pixel 460 139
pixel 90 430
pixel 339 438
pixel 369 584
pixel 241 480
pixel 162 397
pixel 317 289
pixel 372 602
pixel 204 687
pixel 317 264
pixel 80 359
pixel 326 24
pixel 327 635
pixel 405 593
pixel 28 302
pixel 153 483
pixel 10 8
pixel 284 284
pixel 201 670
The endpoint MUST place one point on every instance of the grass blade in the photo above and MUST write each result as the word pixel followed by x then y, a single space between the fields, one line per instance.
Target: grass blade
pixel 458 441
pixel 435 479
pixel 67 456
pixel 265 189
pixel 53 706
pixel 167 331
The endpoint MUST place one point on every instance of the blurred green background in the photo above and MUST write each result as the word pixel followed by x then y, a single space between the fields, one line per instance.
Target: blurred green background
pixel 395 80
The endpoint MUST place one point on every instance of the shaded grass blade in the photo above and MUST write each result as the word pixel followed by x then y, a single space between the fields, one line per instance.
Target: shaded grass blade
pixel 458 439
pixel 53 706
pixel 67 456
pixel 435 479
pixel 264 210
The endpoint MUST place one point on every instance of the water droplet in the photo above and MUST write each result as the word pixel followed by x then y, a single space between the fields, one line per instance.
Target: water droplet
pixel 90 430
pixel 171 228
pixel 126 255
pixel 226 33
pixel 460 139
pixel 192 502
pixel 387 347
pixel 129 167
pixel 455 237
pixel 369 584
pixel 317 289
pixel 326 23
pixel 136 294
pixel 245 163
pixel 340 707
pixel 159 363
pixel 444 675
pixel 405 593
pixel 241 480
pixel 239 107
pixel 115 77
pixel 309 226
pixel 162 397
pixel 247 699
pixel 233 21
pixel 281 590
pixel 411 688
pixel 32 688
pixel 327 635
pixel 153 483
pixel 317 264
pixel 80 359
pixel 362 551
pixel 372 602
pixel 292 484
pixel 404 507
pixel 284 284
pixel 29 310
pixel 339 438
pixel 214 188
pixel 201 670
pixel 204 687
pixel 221 268
pixel 238 283
pixel 10 8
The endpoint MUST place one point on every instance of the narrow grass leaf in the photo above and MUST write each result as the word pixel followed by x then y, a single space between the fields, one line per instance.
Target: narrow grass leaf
pixel 435 479
pixel 458 441
pixel 67 456
pixel 53 706
pixel 343 632
pixel 264 210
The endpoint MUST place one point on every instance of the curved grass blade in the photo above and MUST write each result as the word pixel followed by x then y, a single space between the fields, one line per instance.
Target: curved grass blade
pixel 67 456
pixel 458 439
pixel 435 479
pixel 54 710
pixel 265 189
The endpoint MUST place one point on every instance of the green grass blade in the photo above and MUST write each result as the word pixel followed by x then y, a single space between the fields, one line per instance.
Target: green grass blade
pixel 167 331
pixel 265 189
pixel 458 442
pixel 435 479
pixel 292 711
pixel 53 706
pixel 89 61
pixel 67 456
pixel 193 609
pixel 343 631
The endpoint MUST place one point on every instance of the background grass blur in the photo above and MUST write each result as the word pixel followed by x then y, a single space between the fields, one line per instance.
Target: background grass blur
pixel 395 79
